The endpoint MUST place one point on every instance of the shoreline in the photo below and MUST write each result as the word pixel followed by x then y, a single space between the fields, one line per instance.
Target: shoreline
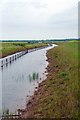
pixel 36 87
pixel 10 58
pixel 25 113
pixel 18 48
pixel 56 96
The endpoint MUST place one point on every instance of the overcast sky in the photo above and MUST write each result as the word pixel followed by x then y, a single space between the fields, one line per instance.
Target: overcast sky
pixel 38 19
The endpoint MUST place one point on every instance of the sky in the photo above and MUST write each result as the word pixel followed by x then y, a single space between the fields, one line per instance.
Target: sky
pixel 38 19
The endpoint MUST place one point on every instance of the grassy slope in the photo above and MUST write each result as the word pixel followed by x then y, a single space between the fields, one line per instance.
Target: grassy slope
pixel 58 96
pixel 10 47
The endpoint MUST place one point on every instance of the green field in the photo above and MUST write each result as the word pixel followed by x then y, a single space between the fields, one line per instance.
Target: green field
pixel 7 48
pixel 58 96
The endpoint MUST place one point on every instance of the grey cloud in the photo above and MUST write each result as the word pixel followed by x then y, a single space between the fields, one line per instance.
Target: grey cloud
pixel 38 5
pixel 79 19
pixel 66 22
pixel 20 22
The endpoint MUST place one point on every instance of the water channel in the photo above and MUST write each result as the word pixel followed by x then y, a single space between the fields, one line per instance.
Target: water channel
pixel 19 79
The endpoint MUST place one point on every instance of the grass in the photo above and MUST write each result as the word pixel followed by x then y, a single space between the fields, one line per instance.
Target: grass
pixel 8 48
pixel 34 76
pixel 58 96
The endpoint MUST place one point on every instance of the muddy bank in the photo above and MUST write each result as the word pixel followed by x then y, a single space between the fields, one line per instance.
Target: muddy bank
pixel 33 104
pixel 56 96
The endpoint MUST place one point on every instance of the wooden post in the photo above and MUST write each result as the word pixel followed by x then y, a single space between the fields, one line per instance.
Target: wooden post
pixel 6 60
pixel 15 57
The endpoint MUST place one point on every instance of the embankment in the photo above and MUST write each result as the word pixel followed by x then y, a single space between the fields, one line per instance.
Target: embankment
pixel 9 48
pixel 57 96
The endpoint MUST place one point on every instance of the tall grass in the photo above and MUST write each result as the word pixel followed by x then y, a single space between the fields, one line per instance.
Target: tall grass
pixel 33 76
pixel 60 93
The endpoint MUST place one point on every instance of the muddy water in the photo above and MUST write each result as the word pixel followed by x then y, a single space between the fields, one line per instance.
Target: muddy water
pixel 19 79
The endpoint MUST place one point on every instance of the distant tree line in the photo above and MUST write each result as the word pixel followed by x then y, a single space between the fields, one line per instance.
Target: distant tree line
pixel 40 41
